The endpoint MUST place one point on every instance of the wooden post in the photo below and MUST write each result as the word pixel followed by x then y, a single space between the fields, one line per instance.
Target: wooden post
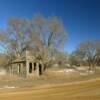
pixel 37 69
pixel 27 68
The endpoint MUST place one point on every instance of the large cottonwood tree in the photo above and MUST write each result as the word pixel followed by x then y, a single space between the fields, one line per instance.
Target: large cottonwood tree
pixel 39 33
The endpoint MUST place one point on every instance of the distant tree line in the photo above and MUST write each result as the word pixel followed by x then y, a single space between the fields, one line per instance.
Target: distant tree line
pixel 87 54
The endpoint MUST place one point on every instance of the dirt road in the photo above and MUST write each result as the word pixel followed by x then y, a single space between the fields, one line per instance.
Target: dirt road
pixel 89 90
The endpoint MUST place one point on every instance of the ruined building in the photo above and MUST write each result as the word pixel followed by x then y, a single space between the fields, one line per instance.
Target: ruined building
pixel 26 66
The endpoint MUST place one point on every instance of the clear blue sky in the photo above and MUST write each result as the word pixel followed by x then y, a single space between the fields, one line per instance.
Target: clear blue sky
pixel 80 17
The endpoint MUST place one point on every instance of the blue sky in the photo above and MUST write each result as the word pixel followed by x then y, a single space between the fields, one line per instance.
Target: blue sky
pixel 81 18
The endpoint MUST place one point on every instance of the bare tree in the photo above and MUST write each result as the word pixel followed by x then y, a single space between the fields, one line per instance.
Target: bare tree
pixel 74 59
pixel 40 33
pixel 14 39
pixel 46 34
pixel 89 51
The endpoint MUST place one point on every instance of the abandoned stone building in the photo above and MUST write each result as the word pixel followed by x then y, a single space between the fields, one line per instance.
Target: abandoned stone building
pixel 26 66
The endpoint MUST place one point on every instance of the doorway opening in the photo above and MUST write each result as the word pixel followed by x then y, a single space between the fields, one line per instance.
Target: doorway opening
pixel 34 66
pixel 40 69
pixel 30 67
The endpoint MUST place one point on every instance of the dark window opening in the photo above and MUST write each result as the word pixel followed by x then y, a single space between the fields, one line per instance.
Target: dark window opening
pixel 30 67
pixel 34 66
pixel 40 69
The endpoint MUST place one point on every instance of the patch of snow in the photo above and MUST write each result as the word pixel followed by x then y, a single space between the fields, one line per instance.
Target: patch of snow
pixel 65 71
pixel 68 65
pixel 8 87
pixel 81 68
pixel 55 65
pixel 91 72
pixel 2 72
pixel 69 70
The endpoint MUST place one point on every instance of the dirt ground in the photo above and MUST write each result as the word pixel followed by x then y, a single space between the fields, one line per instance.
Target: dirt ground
pixel 87 90
pixel 52 85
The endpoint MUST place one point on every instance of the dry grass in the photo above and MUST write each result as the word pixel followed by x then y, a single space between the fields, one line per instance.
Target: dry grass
pixel 53 84
pixel 50 77
pixel 87 90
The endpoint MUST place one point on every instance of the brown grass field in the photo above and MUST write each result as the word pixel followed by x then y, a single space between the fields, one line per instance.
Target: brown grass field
pixel 86 90
pixel 52 86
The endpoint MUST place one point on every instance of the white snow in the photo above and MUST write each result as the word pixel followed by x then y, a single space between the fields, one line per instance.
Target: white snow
pixel 2 72
pixel 65 71
pixel 8 87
